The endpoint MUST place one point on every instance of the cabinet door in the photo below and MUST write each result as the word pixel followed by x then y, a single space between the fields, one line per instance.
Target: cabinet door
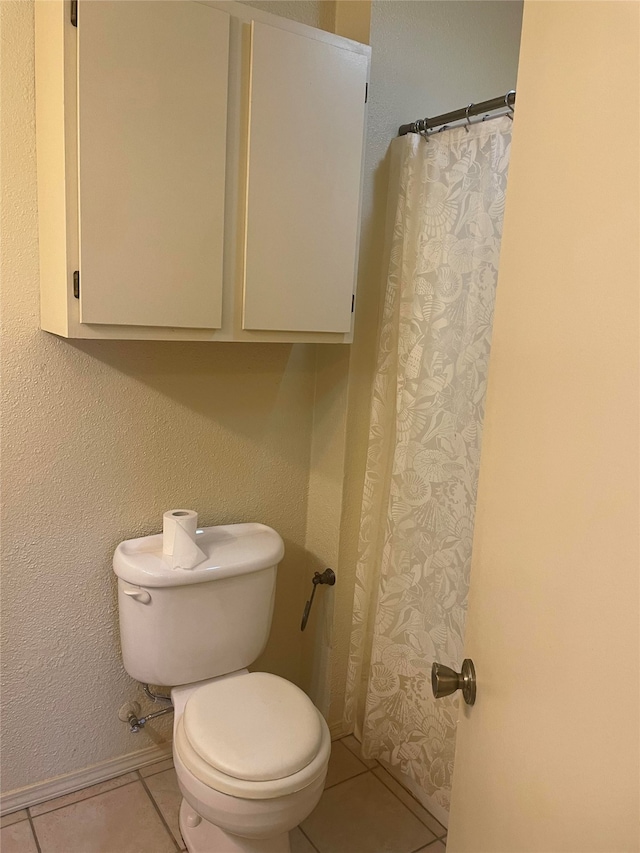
pixel 152 112
pixel 306 124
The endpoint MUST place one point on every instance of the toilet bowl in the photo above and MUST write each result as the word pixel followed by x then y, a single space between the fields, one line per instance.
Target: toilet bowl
pixel 241 725
pixel 250 749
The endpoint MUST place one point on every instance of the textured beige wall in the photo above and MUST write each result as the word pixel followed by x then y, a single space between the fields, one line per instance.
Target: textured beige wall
pixel 428 57
pixel 98 439
pixel 324 510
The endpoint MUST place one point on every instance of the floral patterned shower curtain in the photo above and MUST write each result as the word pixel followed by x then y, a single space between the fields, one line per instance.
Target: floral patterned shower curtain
pixel 424 448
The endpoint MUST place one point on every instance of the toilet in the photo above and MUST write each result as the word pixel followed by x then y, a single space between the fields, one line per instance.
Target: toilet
pixel 250 749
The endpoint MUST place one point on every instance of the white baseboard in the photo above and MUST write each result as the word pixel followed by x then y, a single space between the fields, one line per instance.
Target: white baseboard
pixel 339 730
pixel 40 792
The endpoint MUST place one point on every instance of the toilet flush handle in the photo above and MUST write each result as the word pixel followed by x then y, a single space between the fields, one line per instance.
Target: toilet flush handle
pixel 140 595
pixel 328 577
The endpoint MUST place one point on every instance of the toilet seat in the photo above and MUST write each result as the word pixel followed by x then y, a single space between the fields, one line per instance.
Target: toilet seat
pixel 255 736
pixel 257 727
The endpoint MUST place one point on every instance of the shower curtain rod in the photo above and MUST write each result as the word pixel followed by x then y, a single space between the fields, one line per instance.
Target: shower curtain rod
pixel 424 125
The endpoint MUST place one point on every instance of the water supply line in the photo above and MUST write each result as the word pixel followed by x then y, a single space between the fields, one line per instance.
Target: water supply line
pixel 155 697
pixel 137 723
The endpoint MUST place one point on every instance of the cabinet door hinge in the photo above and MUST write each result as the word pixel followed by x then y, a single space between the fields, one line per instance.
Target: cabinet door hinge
pixel 76 284
pixel 74 12
pixel 366 92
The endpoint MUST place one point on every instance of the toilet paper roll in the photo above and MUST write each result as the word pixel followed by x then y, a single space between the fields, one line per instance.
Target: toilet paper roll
pixel 179 538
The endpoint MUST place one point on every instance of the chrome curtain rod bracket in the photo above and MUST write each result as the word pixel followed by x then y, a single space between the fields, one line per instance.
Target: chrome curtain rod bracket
pixel 425 126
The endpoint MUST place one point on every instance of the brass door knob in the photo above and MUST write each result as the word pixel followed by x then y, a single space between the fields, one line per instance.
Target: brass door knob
pixel 445 681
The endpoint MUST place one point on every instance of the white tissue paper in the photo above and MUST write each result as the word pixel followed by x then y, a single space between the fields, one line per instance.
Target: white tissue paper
pixel 179 538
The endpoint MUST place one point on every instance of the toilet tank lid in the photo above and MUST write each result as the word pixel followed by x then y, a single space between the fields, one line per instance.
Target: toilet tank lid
pixel 231 549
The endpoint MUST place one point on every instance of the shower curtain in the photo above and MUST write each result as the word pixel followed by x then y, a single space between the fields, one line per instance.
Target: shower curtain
pixel 424 448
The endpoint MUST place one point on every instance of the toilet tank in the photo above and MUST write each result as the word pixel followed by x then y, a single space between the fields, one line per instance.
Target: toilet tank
pixel 183 625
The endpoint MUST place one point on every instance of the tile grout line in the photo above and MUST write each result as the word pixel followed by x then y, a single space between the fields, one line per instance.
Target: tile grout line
pixel 360 758
pixel 77 791
pixel 426 846
pixel 348 779
pixel 391 791
pixel 335 785
pixel 357 776
pixel 415 799
pixel 409 794
pixel 308 839
pixel 33 830
pixel 436 838
pixel 90 797
pixel 83 800
pixel 353 752
pixel 161 816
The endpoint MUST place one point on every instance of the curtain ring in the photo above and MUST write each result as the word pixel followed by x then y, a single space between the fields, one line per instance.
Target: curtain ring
pixel 466 112
pixel 508 105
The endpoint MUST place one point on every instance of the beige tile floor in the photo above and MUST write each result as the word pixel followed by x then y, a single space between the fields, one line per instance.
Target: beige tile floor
pixel 363 810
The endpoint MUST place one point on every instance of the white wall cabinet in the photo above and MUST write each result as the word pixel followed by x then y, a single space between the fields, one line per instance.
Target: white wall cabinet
pixel 305 144
pixel 199 172
pixel 152 116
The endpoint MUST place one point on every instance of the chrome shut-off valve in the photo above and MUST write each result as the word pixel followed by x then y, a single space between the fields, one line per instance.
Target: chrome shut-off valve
pixel 327 577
